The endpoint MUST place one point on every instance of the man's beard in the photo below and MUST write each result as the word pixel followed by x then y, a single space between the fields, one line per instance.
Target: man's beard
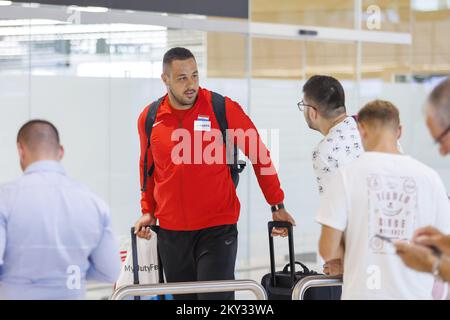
pixel 181 101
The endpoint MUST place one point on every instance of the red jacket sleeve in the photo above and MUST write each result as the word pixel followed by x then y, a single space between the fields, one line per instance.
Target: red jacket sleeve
pixel 147 199
pixel 249 142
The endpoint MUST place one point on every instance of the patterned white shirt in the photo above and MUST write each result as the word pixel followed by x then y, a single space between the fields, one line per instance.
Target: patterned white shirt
pixel 341 145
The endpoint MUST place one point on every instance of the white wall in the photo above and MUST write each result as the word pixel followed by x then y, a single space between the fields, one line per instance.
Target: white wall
pixel 97 121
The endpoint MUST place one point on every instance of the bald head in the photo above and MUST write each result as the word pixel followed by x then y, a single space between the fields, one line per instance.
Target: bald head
pixel 38 140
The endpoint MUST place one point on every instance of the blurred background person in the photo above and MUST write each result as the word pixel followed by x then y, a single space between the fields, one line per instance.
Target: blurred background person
pixel 54 233
pixel 417 254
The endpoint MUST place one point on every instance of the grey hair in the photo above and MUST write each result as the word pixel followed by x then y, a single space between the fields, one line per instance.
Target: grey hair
pixel 439 102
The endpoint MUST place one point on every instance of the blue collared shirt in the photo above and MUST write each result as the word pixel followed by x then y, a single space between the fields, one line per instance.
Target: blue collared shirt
pixel 54 235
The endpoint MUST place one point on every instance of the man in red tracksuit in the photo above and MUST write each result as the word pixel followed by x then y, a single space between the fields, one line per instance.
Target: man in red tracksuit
pixel 195 201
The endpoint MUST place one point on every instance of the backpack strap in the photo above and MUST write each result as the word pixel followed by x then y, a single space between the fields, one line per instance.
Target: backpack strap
pixel 149 121
pixel 218 103
pixel 236 166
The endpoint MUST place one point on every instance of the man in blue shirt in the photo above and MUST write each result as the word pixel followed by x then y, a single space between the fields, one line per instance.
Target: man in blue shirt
pixel 54 233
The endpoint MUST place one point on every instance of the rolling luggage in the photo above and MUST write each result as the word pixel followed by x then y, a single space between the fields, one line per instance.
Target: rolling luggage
pixel 280 284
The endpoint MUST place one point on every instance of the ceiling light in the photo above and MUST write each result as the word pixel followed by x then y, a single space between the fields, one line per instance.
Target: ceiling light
pixel 89 9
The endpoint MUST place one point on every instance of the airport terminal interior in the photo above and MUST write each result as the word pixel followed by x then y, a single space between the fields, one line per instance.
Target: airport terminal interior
pixel 91 70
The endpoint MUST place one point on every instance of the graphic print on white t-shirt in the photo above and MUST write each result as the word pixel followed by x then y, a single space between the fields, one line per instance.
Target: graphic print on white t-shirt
pixel 392 203
pixel 341 146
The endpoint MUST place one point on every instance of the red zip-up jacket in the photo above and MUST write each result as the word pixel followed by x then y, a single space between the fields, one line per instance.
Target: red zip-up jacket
pixel 192 196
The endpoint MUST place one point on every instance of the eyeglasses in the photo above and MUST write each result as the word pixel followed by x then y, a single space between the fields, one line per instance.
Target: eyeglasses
pixel 439 139
pixel 301 106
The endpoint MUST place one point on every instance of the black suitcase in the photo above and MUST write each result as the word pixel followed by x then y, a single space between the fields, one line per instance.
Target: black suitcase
pixel 279 284
pixel 136 262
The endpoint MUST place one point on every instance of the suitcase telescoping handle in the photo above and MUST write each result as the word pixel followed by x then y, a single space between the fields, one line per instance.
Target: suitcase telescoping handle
pixel 288 225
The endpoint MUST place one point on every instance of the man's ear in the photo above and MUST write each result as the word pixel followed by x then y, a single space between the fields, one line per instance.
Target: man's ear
pixel 313 114
pixel 61 153
pixel 399 132
pixel 20 149
pixel 165 78
pixel 362 130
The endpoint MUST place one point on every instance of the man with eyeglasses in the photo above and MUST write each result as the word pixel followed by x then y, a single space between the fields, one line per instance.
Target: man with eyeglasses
pixel 419 254
pixel 323 106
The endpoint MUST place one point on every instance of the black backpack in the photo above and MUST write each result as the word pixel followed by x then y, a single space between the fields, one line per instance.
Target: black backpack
pixel 218 103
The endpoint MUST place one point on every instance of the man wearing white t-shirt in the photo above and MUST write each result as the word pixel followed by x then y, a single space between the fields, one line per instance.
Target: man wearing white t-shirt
pixel 382 196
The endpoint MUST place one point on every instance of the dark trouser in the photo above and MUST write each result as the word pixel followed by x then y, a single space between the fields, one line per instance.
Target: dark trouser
pixel 203 255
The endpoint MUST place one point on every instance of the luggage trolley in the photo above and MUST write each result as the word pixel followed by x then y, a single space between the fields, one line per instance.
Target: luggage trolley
pixel 190 287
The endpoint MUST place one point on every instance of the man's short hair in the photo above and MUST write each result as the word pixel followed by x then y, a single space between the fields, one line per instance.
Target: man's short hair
pixel 380 113
pixel 328 95
pixel 177 53
pixel 39 135
pixel 439 100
